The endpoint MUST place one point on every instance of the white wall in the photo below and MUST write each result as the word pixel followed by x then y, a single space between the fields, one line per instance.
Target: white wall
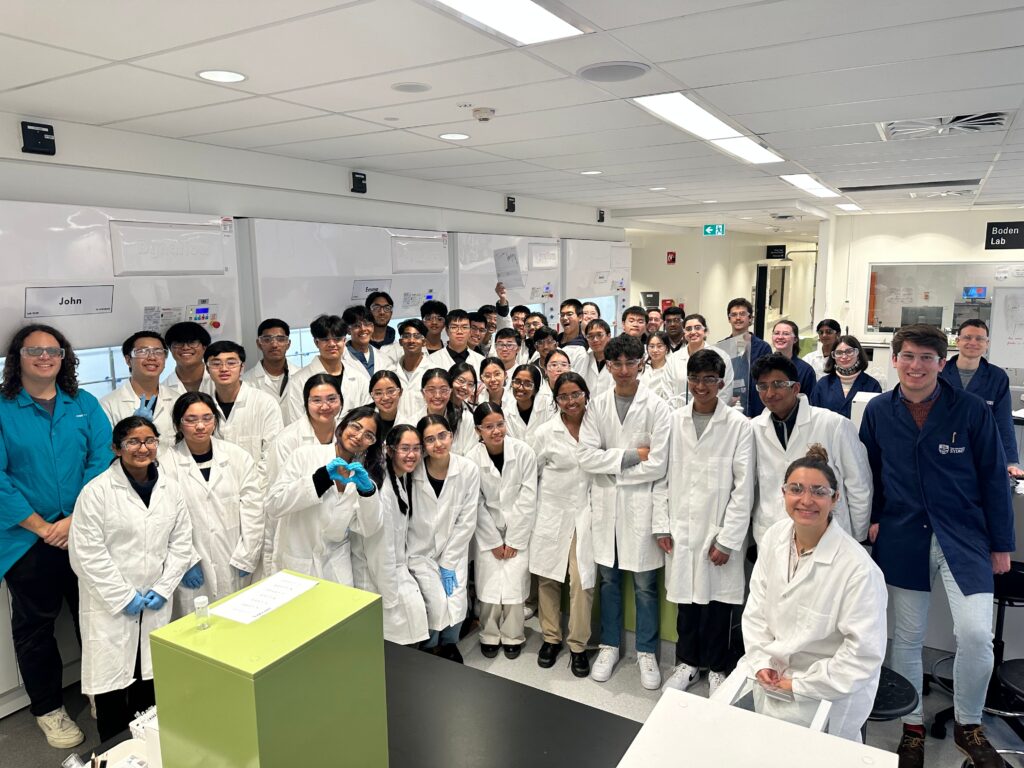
pixel 105 167
pixel 710 271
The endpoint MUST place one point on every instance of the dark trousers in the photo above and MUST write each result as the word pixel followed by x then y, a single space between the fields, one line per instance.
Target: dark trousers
pixel 40 582
pixel 116 709
pixel 704 635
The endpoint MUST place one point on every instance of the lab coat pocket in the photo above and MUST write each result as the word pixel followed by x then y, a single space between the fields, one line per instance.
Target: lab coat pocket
pixel 814 625
pixel 549 515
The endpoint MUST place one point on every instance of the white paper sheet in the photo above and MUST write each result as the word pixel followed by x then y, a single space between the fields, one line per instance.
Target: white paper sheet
pixel 506 264
pixel 266 596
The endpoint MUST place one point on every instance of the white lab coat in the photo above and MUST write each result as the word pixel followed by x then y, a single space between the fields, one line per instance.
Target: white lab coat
pixel 123 402
pixel 313 531
pixel 118 547
pixel 598 381
pixel 816 360
pixel 173 382
pixel 827 626
pixel 257 378
pixel 543 411
pixel 623 500
pixel 355 389
pixel 508 507
pixel 358 369
pixel 661 382
pixel 563 507
pixel 226 514
pixel 706 496
pixel 846 456
pixel 387 573
pixel 442 359
pixel 678 360
pixel 439 535
pixel 254 422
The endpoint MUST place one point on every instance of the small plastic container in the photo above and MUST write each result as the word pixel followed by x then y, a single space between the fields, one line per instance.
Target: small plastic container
pixel 202 608
pixel 72 761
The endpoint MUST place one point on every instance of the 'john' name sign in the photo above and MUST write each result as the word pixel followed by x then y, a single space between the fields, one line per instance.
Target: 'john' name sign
pixel 1004 234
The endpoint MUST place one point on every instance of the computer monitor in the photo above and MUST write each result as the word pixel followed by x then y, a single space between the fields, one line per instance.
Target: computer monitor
pixel 975 292
pixel 922 315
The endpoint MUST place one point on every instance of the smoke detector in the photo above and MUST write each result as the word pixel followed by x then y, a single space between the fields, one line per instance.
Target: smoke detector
pixel 483 114
pixel 953 125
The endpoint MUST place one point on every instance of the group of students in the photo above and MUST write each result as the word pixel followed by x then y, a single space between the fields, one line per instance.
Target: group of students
pixel 485 450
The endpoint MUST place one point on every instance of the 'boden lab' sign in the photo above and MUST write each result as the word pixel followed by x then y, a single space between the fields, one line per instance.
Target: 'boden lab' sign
pixel 1004 234
pixel 56 301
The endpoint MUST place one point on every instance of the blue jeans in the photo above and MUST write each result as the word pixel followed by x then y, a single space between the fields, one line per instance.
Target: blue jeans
pixel 645 590
pixel 972 628
pixel 446 636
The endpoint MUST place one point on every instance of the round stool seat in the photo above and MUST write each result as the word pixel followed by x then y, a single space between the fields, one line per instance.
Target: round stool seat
pixel 896 697
pixel 1011 675
pixel 1009 586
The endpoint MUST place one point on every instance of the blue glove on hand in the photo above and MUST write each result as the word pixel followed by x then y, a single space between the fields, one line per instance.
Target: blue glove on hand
pixel 332 470
pixel 449 581
pixel 361 478
pixel 242 574
pixel 134 608
pixel 193 578
pixel 154 602
pixel 147 408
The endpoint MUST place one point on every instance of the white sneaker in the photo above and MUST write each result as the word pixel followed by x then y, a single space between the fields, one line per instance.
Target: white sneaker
pixel 529 612
pixel 715 679
pixel 682 677
pixel 650 675
pixel 60 730
pixel 607 658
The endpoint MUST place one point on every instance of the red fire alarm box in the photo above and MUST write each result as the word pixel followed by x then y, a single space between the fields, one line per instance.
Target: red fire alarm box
pixel 670 257
pixel 666 303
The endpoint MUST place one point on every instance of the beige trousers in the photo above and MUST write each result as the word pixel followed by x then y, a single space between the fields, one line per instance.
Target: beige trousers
pixel 581 602
pixel 502 624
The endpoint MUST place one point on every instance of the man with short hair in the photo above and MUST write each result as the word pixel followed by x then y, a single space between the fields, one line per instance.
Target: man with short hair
pixel 741 315
pixel 188 341
pixel 654 320
pixel 381 308
pixel 359 355
pixel 508 347
pixel 411 366
pixel 518 315
pixel 271 373
pixel 634 322
pixel 433 314
pixel 570 312
pixel 783 433
pixel 673 319
pixel 457 350
pixel 142 394
pixel 490 313
pixel 597 375
pixel 942 508
pixel 623 444
pixel 545 341
pixel 477 332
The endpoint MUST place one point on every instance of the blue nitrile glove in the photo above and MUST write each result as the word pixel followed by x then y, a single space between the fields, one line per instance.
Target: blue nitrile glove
pixel 361 477
pixel 134 608
pixel 193 578
pixel 147 408
pixel 332 469
pixel 449 581
pixel 154 602
pixel 242 574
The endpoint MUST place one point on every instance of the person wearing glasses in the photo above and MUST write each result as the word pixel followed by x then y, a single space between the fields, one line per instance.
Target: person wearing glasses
pixel 457 350
pixel 942 509
pixel 188 341
pixel 478 334
pixel 490 315
pixel 221 487
pixel 828 331
pixel 384 338
pixel 654 321
pixel 786 341
pixel 745 348
pixel 710 482
pixel 570 315
pixel 142 394
pixel 657 374
pixel 524 410
pixel 845 375
pixel 599 378
pixel 436 388
pixel 317 503
pixel 558 362
pixel 360 356
pixel 508 347
pixel 328 333
pixel 272 372
pixel 389 401
pixel 493 378
pixel 433 314
pixel 561 546
pixel 130 544
pixel 814 624
pixel 387 560
pixel 409 361
pixel 695 331
pixel 247 417
pixel 504 521
pixel 624 447
pixel 782 434
pixel 464 386
pixel 445 497
pixel 54 438
pixel 970 371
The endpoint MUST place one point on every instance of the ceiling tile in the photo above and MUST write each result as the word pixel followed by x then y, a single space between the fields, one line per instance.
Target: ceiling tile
pixel 22 62
pixel 327 127
pixel 366 145
pixel 590 142
pixel 244 113
pixel 472 170
pixel 432 160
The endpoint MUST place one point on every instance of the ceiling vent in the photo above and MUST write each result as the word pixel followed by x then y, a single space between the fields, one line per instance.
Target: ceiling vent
pixel 926 185
pixel 783 216
pixel 930 127
pixel 944 193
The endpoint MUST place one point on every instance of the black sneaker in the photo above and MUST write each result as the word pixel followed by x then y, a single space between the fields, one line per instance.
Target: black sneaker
pixel 971 740
pixel 911 749
pixel 512 651
pixel 580 663
pixel 489 651
pixel 451 652
pixel 548 654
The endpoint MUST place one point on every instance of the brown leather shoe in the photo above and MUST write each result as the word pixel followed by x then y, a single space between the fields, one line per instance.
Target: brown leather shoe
pixel 971 740
pixel 911 749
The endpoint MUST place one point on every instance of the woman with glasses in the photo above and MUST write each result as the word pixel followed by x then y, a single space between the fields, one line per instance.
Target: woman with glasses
pixel 524 407
pixel 54 438
pixel 221 487
pixel 445 495
pixel 130 544
pixel 493 377
pixel 786 341
pixel 387 392
pixel 828 331
pixel 317 502
pixel 387 560
pixel 815 623
pixel 557 363
pixel 657 373
pixel 508 505
pixel 845 375
pixel 437 394
pixel 561 547
pixel 145 354
pixel 464 386
pixel 695 332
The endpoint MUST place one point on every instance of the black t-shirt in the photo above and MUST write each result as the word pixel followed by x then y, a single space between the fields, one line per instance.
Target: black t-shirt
pixel 48 405
pixel 203 460
pixel 436 484
pixel 145 488
pixel 498 459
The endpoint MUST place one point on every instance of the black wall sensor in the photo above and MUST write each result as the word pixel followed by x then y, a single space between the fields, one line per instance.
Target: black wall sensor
pixel 37 139
pixel 359 182
pixel 510 205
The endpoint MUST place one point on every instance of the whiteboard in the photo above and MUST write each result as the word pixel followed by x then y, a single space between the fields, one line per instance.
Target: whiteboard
pixel 303 269
pixel 48 248
pixel 599 268
pixel 1007 332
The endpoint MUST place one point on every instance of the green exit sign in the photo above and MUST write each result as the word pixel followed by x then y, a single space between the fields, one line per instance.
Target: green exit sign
pixel 714 230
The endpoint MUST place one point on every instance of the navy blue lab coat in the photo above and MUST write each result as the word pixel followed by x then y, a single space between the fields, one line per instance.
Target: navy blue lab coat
pixel 948 478
pixel 828 392
pixel 992 385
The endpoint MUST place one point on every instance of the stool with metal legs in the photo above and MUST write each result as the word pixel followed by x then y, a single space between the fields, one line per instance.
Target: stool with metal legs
pixel 968 763
pixel 895 698
pixel 1008 592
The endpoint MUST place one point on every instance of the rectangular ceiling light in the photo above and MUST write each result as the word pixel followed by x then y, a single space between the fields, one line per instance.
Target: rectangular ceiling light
pixel 747 149
pixel 808 184
pixel 679 110
pixel 848 207
pixel 523 21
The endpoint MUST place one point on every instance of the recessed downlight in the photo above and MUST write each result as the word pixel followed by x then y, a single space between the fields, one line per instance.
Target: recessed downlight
pixel 662 189
pixel 410 87
pixel 454 136
pixel 221 76
pixel 709 201
pixel 591 173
